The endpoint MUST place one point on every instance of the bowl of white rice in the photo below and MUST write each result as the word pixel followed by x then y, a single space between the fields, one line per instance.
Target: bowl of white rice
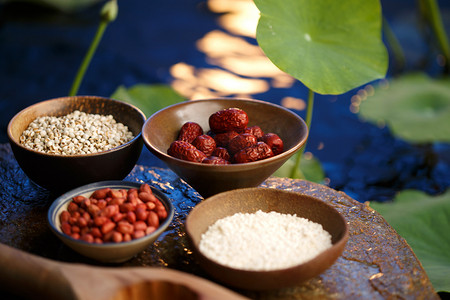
pixel 262 238
pixel 67 142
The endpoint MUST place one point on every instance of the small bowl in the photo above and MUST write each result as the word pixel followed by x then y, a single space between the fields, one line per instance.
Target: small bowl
pixel 250 200
pixel 60 173
pixel 162 128
pixel 108 252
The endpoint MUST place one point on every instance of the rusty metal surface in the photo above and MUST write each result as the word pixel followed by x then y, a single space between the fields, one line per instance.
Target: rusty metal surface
pixel 376 264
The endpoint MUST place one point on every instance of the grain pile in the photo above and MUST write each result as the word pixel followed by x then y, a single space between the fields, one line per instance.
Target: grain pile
pixel 263 241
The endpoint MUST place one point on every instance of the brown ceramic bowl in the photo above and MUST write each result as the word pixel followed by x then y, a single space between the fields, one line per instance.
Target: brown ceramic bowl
pixel 162 128
pixel 250 200
pixel 60 173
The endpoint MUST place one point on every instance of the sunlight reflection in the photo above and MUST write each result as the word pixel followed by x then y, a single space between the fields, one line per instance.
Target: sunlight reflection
pixel 293 103
pixel 238 66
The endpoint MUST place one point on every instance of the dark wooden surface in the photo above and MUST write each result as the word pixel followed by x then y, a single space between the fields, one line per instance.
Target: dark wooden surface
pixel 376 264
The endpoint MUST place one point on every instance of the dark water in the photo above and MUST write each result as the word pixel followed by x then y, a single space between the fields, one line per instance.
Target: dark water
pixel 40 51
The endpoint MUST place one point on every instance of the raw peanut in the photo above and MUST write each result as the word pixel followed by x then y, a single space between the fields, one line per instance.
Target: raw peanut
pixel 117 237
pixel 115 194
pixel 274 142
pixel 240 142
pixel 146 197
pixel 78 199
pixel 87 238
pixel 140 225
pixel 81 222
pixel 125 227
pixel 117 201
pixel 132 197
pixel 66 228
pixel 93 210
pixel 100 220
pixel 64 217
pixel 142 206
pixel 149 230
pixel 75 235
pixel 76 214
pixel 141 214
pixel 75 228
pixel 118 217
pixel 84 230
pixel 108 226
pixel 108 236
pixel 161 212
pixel 153 219
pixel 223 139
pixel 86 216
pixel 127 237
pixel 100 194
pixel 255 130
pixel 96 232
pixel 102 203
pixel 110 210
pixel 151 205
pixel 98 240
pixel 214 160
pixel 131 217
pixel 189 131
pixel 72 220
pixel 126 207
pixel 185 151
pixel 85 203
pixel 138 234
pixel 222 153
pixel 73 207
pixel 228 119
pixel 205 143
pixel 145 188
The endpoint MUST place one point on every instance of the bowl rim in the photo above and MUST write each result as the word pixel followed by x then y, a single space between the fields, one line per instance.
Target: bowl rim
pixel 229 167
pixel 338 244
pixel 62 200
pixel 19 145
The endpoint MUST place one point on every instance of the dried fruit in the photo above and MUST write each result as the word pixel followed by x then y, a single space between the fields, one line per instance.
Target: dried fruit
pixel 189 131
pixel 222 153
pixel 228 119
pixel 255 130
pixel 205 143
pixel 185 151
pixel 223 139
pixel 274 142
pixel 240 142
pixel 214 160
pixel 253 153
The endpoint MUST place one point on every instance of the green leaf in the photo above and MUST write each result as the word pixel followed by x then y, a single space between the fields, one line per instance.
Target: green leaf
pixel 415 107
pixel 310 169
pixel 148 98
pixel 424 222
pixel 330 46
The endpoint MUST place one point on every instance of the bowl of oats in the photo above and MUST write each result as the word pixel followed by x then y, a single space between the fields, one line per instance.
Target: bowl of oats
pixel 265 238
pixel 67 142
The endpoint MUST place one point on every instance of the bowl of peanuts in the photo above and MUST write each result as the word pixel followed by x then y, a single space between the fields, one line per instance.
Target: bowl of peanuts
pixel 67 142
pixel 265 238
pixel 217 145
pixel 110 221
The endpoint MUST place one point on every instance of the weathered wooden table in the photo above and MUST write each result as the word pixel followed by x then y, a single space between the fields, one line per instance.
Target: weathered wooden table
pixel 376 264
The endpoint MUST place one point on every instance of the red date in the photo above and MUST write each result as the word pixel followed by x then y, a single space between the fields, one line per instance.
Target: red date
pixel 253 153
pixel 185 151
pixel 214 160
pixel 240 142
pixel 223 139
pixel 205 143
pixel 222 153
pixel 255 130
pixel 274 142
pixel 228 120
pixel 189 131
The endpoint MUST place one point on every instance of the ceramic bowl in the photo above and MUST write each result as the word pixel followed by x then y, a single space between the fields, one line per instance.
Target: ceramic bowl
pixel 250 200
pixel 162 128
pixel 107 252
pixel 60 173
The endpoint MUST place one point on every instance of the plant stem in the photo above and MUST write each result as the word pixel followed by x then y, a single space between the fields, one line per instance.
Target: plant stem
pixel 296 172
pixel 434 16
pixel 108 14
pixel 392 40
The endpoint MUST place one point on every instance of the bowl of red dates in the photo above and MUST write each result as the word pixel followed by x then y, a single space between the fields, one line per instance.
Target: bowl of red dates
pixel 110 221
pixel 216 145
